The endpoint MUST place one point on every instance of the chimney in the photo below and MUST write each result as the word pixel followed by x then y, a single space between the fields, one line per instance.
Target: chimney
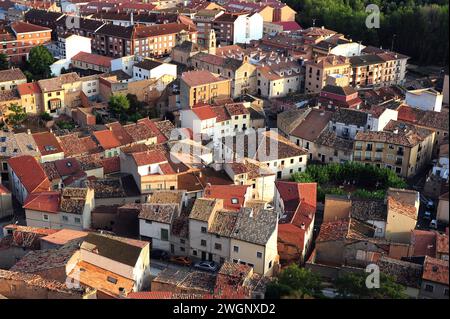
pixel 28 131
pixel 122 292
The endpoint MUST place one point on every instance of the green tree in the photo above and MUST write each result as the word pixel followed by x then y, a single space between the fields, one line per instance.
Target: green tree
pixel 39 61
pixel 17 114
pixel 118 105
pixel 4 63
pixel 353 285
pixel 295 282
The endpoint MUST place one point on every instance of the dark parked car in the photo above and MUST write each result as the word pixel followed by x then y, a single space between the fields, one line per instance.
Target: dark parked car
pixel 159 254
pixel 210 266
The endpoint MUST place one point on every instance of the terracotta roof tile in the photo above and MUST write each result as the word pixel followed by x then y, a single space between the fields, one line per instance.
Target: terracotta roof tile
pixel 435 270
pixel 22 166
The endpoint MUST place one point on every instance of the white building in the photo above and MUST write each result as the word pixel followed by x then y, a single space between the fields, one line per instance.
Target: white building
pixel 68 47
pixel 123 264
pixel 425 99
pixel 124 63
pixel 200 119
pixel 155 222
pixel 380 117
pixel 347 123
pixel 152 69
pixel 254 240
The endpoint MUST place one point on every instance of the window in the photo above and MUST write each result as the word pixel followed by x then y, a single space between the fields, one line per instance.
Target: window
pixel 258 255
pixel 217 246
pixel 182 241
pixel 182 249
pixel 203 230
pixel 45 217
pixel 270 264
pixel 236 249
pixel 203 243
pixel 164 234
pixel 234 201
pixel 429 288
pixel 65 219
pixel 446 292
pixel 148 221
pixel 77 220
pixel 194 252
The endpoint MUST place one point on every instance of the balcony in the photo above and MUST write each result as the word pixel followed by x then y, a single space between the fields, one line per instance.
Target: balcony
pixel 398 162
pixel 400 152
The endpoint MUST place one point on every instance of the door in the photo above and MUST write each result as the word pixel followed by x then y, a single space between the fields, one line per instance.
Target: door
pixel 278 175
pixel 210 257
pixel 203 255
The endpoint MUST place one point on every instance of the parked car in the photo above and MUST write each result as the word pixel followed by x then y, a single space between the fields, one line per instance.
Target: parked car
pixel 433 224
pixel 427 215
pixel 210 266
pixel 159 254
pixel 430 204
pixel 181 260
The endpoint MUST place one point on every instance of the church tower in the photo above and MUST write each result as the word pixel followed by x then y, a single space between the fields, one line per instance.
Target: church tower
pixel 211 42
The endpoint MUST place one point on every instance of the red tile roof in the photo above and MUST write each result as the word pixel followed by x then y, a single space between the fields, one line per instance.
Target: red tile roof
pixel 423 243
pixel 228 193
pixel 201 77
pixel 204 112
pixel 333 230
pixel 289 25
pixel 160 138
pixel 111 165
pixel 37 181
pixel 435 270
pixel 92 58
pixel 291 234
pixel 44 202
pixel 24 27
pixel 107 139
pixel 47 143
pixel 68 166
pixel 150 295
pixel 63 236
pixel 29 88
pixel 148 157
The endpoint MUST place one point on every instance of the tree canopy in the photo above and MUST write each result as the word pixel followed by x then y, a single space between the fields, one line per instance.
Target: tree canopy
pixel 118 104
pixel 17 114
pixel 370 180
pixel 295 282
pixel 353 286
pixel 4 63
pixel 39 61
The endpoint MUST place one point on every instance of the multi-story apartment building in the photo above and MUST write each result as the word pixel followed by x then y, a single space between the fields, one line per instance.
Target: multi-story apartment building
pixel 204 20
pixel 155 40
pixel 241 73
pixel 20 37
pixel 279 78
pixel 319 68
pixel 231 28
pixel 401 147
pixel 202 87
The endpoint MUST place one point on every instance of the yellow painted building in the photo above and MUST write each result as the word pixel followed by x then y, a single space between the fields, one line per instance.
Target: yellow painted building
pixel 202 87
